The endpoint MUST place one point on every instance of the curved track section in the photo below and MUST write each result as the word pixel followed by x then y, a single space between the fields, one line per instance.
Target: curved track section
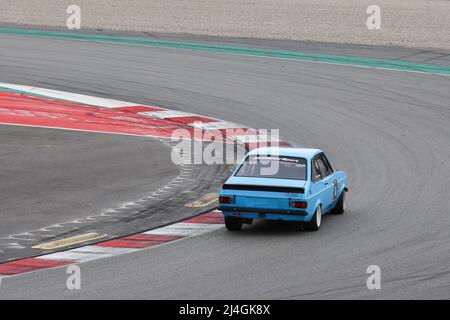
pixel 53 176
pixel 389 130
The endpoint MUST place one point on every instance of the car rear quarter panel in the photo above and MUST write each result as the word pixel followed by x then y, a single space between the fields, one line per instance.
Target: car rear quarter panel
pixel 342 179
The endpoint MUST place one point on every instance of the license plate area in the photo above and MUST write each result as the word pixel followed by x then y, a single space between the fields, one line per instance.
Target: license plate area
pixel 261 202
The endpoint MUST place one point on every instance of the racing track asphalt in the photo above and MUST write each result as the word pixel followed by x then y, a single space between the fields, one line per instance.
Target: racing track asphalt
pixel 57 183
pixel 73 174
pixel 390 130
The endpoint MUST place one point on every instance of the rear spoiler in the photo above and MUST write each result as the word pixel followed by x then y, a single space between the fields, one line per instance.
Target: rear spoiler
pixel 263 188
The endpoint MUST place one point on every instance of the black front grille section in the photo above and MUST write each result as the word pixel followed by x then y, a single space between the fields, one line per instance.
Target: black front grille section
pixel 263 188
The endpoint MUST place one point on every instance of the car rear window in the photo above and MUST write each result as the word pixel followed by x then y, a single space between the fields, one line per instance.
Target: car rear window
pixel 276 167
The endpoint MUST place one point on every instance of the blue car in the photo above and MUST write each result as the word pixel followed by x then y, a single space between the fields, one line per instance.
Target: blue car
pixel 283 183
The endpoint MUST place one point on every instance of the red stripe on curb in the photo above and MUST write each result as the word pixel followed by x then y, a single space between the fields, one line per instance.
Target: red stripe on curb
pixel 122 243
pixel 219 220
pixel 212 214
pixel 30 264
pixel 211 217
pixel 28 110
pixel 11 270
pixel 137 109
pixel 136 241
pixel 148 240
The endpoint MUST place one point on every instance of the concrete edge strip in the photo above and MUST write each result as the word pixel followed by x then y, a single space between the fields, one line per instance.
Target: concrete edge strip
pixel 395 65
pixel 181 230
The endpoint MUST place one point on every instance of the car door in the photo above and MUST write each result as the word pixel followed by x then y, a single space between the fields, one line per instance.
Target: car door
pixel 328 183
pixel 332 178
pixel 318 185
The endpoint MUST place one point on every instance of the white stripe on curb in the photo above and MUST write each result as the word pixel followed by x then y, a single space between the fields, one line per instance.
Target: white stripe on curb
pixel 185 229
pixel 104 250
pixel 95 252
pixel 217 125
pixel 73 255
pixel 73 97
pixel 167 114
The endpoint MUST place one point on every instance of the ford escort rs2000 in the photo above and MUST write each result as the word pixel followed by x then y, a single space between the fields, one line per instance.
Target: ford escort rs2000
pixel 283 184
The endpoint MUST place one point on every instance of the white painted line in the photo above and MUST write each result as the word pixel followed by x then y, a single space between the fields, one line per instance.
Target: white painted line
pixel 185 229
pixel 217 125
pixel 196 226
pixel 168 231
pixel 74 256
pixel 74 97
pixel 167 114
pixel 103 250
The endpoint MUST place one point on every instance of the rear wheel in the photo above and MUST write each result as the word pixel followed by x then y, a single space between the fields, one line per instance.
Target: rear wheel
pixel 233 223
pixel 315 222
pixel 339 208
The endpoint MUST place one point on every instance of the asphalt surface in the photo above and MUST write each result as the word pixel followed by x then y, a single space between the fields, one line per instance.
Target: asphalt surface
pixel 389 130
pixel 73 174
pixel 54 182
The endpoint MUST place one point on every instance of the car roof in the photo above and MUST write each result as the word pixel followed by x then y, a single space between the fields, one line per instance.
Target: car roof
pixel 307 153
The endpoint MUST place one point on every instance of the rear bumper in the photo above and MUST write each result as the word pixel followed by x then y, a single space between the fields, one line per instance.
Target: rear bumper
pixel 266 214
pixel 264 210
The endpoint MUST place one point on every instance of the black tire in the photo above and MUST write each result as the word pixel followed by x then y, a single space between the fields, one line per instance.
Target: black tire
pixel 315 222
pixel 339 208
pixel 233 224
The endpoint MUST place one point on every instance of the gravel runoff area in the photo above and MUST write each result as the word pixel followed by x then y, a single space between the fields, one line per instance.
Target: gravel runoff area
pixel 409 23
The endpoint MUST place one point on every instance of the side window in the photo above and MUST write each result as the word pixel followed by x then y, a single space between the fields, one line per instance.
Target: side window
pixel 325 159
pixel 323 167
pixel 324 162
pixel 316 173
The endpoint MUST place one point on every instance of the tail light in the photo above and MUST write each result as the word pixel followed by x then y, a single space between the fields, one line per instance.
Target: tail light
pixel 226 200
pixel 299 204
